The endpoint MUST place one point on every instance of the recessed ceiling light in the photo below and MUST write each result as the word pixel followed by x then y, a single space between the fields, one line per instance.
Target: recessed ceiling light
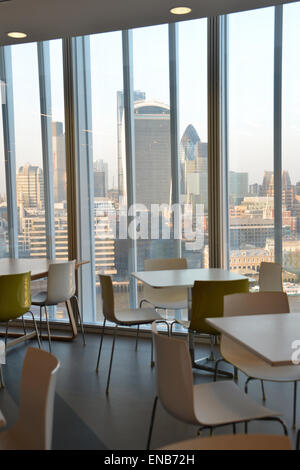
pixel 180 10
pixel 17 35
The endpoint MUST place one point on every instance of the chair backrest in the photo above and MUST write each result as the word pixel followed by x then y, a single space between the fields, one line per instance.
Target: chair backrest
pixel 270 277
pixel 208 301
pixel 107 294
pixel 15 295
pixel 255 303
pixel 165 264
pixel 174 376
pixel 34 425
pixel 61 282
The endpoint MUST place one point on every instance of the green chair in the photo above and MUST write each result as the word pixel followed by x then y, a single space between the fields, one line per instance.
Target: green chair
pixel 15 295
pixel 208 302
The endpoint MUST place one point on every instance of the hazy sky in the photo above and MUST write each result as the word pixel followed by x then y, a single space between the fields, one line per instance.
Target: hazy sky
pixel 251 37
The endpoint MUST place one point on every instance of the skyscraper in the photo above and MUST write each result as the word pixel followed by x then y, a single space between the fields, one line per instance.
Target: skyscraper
pixel 30 187
pixel 59 162
pixel 100 178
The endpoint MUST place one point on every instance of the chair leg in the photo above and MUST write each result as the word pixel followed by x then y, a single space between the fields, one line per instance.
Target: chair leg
pixel 80 320
pixel 295 405
pixel 298 440
pixel 137 337
pixel 275 418
pixel 2 383
pixel 6 334
pixel 235 374
pixel 263 390
pixel 246 384
pixel 234 428
pixel 152 422
pixel 23 322
pixel 212 355
pixel 246 427
pixel 100 345
pixel 111 359
pixel 41 336
pixel 36 329
pixel 152 358
pixel 48 328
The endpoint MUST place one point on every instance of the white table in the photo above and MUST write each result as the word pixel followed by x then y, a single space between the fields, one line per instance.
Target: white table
pixel 270 337
pixel 186 278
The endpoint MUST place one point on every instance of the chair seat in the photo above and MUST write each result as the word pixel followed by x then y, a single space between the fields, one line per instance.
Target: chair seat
pixel 137 316
pixel 253 366
pixel 167 298
pixel 224 403
pixel 234 442
pixel 40 299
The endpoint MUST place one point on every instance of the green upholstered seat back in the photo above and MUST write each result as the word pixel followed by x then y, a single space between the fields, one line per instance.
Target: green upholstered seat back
pixel 207 301
pixel 15 295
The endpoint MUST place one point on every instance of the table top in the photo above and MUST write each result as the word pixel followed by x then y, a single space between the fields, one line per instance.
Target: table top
pixel 184 277
pixel 270 337
pixel 38 266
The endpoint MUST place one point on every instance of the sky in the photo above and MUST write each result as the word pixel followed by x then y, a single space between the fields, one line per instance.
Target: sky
pixel 250 88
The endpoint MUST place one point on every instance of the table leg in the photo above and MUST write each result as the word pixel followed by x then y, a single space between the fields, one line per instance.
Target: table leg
pixel 196 363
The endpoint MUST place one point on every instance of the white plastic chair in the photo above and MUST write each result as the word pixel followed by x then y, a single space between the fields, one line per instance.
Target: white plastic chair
pixel 243 359
pixel 61 287
pixel 209 405
pixel 130 317
pixel 270 277
pixel 234 442
pixel 166 298
pixel 33 430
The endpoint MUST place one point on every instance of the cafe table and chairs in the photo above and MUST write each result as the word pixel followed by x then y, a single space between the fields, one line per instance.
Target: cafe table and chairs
pixel 185 278
pixel 39 268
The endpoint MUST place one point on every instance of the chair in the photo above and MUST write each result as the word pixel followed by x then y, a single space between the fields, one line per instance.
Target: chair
pixel 246 361
pixel 270 277
pixel 61 287
pixel 167 298
pixel 209 405
pixel 33 430
pixel 130 317
pixel 15 295
pixel 207 302
pixel 234 442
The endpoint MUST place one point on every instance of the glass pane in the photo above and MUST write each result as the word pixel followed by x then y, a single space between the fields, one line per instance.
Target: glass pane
pixel 250 140
pixel 109 166
pixel 58 150
pixel 4 246
pixel 29 163
pixel 152 142
pixel 193 140
pixel 290 146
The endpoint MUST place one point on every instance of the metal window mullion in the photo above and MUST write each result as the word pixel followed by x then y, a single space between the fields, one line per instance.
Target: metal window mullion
pixel 224 137
pixel 277 136
pixel 130 155
pixel 9 148
pixel 215 196
pixel 174 126
pixel 46 128
pixel 84 160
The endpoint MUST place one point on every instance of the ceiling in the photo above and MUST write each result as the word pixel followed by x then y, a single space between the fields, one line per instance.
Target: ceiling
pixel 49 19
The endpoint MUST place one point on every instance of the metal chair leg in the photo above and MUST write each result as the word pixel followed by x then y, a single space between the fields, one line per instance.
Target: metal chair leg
pixel 298 440
pixel 41 336
pixel 137 337
pixel 80 320
pixel 246 427
pixel 111 359
pixel 151 422
pixel 234 428
pixel 48 328
pixel 246 384
pixel 6 334
pixel 36 329
pixel 295 405
pixel 263 390
pixel 23 322
pixel 152 358
pixel 2 383
pixel 100 345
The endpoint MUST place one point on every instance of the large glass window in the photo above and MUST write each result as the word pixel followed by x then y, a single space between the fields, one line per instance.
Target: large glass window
pixel 192 35
pixel 250 139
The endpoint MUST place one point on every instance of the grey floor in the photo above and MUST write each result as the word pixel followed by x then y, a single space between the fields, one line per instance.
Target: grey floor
pixel 86 418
